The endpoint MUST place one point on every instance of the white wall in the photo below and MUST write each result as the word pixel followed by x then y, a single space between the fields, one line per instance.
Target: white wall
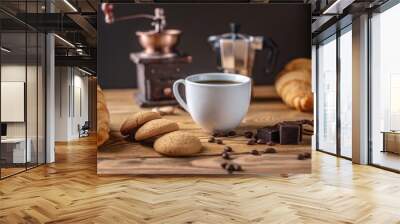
pixel 71 102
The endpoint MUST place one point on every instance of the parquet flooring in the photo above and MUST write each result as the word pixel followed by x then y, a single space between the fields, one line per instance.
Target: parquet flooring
pixel 70 191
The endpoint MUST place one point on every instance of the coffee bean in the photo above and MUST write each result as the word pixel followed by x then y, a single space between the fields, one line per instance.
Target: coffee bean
pixel 237 167
pixel 255 152
pixel 230 168
pixel 232 133
pixel 270 143
pixel 251 142
pixel 301 157
pixel 216 134
pixel 223 165
pixel 248 134
pixel 211 139
pixel 270 150
pixel 307 155
pixel 261 141
pixel 219 141
pixel 228 149
pixel 225 155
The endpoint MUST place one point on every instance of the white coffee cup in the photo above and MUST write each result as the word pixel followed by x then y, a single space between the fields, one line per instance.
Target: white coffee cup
pixel 215 107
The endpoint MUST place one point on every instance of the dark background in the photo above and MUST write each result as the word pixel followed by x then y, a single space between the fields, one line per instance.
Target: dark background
pixel 288 25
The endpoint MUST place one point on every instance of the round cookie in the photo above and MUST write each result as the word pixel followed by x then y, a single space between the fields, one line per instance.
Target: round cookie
pixel 154 128
pixel 134 121
pixel 178 143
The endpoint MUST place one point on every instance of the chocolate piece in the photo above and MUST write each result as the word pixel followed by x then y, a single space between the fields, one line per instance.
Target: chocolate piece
pixel 268 134
pixel 255 152
pixel 251 142
pixel 228 149
pixel 226 156
pixel 216 134
pixel 231 133
pixel 301 157
pixel 299 123
pixel 211 139
pixel 219 141
pixel 270 150
pixel 248 134
pixel 307 155
pixel 289 133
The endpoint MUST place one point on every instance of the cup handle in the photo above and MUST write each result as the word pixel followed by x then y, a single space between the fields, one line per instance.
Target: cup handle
pixel 175 89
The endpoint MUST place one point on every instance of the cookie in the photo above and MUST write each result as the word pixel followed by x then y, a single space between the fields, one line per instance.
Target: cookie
pixel 136 120
pixel 154 128
pixel 178 143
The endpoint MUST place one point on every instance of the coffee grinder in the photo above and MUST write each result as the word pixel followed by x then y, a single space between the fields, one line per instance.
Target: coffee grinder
pixel 159 65
pixel 236 52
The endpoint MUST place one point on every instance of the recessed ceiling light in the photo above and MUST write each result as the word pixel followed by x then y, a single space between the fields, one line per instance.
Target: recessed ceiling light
pixel 64 40
pixel 70 5
pixel 5 49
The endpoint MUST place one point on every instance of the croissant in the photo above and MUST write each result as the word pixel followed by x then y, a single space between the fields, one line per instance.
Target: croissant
pixel 293 85
pixel 103 118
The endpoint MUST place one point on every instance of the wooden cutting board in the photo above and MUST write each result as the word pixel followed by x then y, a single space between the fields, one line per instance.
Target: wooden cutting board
pixel 120 156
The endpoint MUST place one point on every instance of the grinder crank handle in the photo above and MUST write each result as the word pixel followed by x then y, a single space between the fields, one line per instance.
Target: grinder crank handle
pixel 272 54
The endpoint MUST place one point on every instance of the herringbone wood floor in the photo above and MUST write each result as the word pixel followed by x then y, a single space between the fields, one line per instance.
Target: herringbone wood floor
pixel 69 191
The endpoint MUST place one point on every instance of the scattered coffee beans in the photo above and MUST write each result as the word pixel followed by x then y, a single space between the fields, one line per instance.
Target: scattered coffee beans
pixel 261 141
pixel 211 139
pixel 237 167
pixel 248 134
pixel 228 149
pixel 255 152
pixel 223 165
pixel 301 157
pixel 270 150
pixel 232 133
pixel 251 142
pixel 226 156
pixel 219 141
pixel 307 155
pixel 230 168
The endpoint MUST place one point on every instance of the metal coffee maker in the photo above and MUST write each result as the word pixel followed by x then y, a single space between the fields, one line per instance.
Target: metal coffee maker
pixel 236 52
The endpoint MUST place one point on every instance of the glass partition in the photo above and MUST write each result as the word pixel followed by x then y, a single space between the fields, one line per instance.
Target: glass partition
pixel 327 96
pixel 22 78
pixel 385 89
pixel 345 58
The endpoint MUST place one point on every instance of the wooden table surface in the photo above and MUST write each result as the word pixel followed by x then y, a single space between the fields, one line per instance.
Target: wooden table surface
pixel 119 156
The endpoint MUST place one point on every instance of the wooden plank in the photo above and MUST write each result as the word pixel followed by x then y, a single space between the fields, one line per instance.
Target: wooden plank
pixel 120 156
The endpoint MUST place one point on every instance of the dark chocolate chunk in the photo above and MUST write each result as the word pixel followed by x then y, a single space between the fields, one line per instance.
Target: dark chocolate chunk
pixel 248 134
pixel 228 149
pixel 268 134
pixel 307 155
pixel 219 141
pixel 211 139
pixel 225 155
pixel 216 134
pixel 289 134
pixel 270 150
pixel 255 152
pixel 251 142
pixel 301 157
